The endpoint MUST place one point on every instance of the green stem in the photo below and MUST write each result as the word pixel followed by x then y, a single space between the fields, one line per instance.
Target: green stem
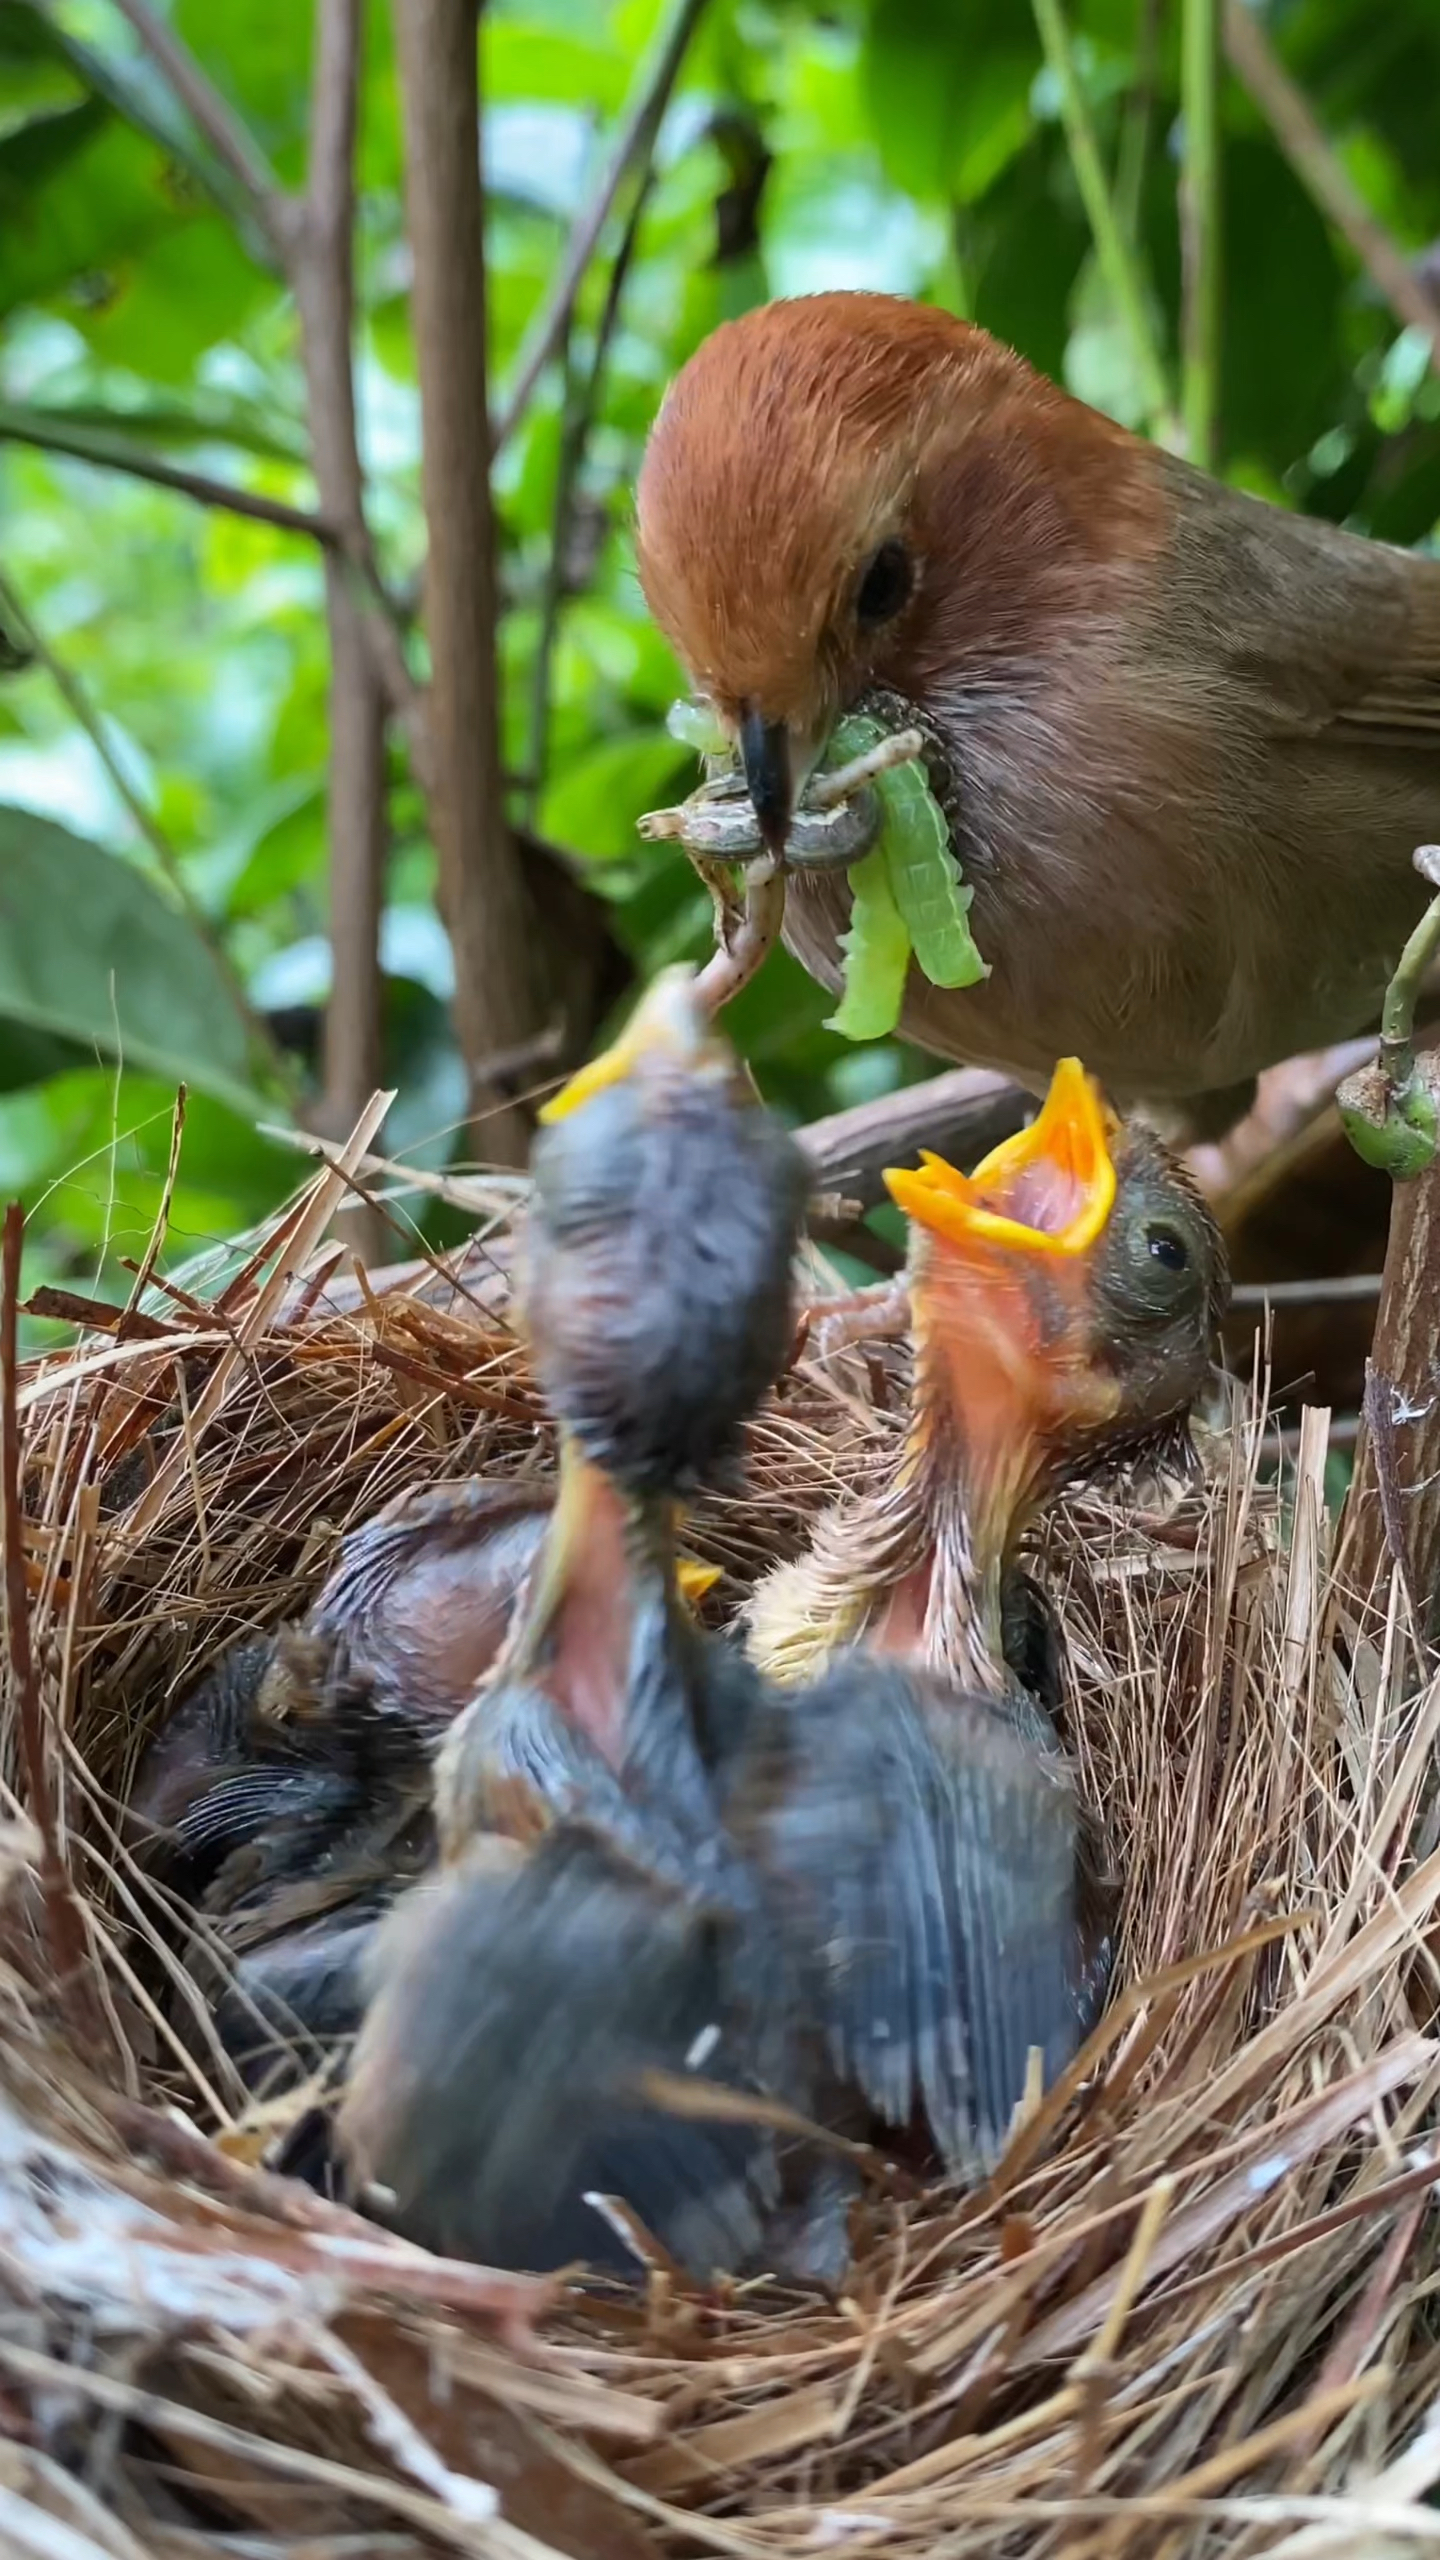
pixel 1137 129
pixel 1200 230
pixel 1397 1020
pixel 1119 266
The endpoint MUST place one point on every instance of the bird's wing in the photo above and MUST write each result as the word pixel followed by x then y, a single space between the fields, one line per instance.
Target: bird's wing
pixel 1398 703
pixel 921 1856
pixel 291 2000
pixel 1326 631
pixel 497 2079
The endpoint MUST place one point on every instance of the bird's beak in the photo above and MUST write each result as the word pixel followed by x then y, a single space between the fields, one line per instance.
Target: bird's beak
pixel 668 1023
pixel 769 777
pixel 1002 1264
pixel 1049 1190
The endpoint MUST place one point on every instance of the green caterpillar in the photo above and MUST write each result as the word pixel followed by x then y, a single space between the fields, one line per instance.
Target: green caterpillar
pixel 907 896
pixel 907 893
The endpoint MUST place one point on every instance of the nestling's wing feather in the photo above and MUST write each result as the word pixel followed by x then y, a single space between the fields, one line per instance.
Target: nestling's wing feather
pixel 921 1854
pixel 496 2078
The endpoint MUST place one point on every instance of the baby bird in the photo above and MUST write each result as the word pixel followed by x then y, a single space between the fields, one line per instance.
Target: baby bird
pixel 283 1747
pixel 913 1812
pixel 591 1919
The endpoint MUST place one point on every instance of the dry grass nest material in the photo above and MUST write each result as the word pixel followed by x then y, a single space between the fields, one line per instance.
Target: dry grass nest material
pixel 1190 2313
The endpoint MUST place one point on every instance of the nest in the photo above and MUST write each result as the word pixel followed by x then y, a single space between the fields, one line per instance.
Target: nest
pixel 1190 2312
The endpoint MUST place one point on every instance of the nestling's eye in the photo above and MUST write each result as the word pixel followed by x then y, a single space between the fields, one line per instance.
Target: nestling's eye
pixel 1165 1246
pixel 886 585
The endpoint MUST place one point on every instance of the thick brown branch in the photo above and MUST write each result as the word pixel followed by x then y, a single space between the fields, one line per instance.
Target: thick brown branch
pixel 499 997
pixel 960 1115
pixel 1321 173
pixel 632 144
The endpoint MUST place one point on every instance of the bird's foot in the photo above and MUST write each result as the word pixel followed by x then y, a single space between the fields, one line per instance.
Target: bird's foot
pixel 880 1313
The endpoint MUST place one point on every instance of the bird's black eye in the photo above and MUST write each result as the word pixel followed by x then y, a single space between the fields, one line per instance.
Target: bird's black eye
pixel 886 585
pixel 1168 1248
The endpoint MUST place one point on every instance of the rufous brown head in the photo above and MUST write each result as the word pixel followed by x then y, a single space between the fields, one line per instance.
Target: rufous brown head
pixel 849 493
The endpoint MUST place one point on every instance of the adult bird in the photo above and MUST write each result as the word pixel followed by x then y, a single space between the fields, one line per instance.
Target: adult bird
pixel 1186 742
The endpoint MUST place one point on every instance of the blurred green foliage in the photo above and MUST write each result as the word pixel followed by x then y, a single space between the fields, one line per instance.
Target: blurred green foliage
pixel 908 144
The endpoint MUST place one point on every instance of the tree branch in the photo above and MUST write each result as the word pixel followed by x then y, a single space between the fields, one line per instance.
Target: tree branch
pixel 1288 113
pixel 633 142
pixel 960 1115
pixel 228 138
pixel 582 401
pixel 321 235
pixel 109 453
pixel 498 993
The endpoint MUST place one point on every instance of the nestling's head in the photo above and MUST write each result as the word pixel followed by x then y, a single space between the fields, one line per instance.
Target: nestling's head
pixel 1066 1294
pixel 665 1215
pixel 851 493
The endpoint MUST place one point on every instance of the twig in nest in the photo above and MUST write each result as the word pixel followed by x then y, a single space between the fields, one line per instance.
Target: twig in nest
pixel 1391 1114
pixel 67 1935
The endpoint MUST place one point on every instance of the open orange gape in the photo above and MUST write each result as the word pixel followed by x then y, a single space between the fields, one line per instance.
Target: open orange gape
pixel 1003 1260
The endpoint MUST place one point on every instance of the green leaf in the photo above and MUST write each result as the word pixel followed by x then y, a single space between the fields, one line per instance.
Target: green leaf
pixel 91 953
pixel 949 92
pixel 137 415
pixel 595 806
pixel 79 195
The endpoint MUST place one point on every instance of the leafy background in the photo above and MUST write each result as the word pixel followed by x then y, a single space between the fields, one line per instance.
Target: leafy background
pixel 163 856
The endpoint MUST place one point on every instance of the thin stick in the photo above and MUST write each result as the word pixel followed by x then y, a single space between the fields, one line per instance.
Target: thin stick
pixel 1118 264
pixel 233 145
pixel 1347 1288
pixel 1200 231
pixel 582 401
pixel 322 265
pixel 144 1269
pixel 67 1936
pixel 632 143
pixel 111 453
pixel 1288 113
